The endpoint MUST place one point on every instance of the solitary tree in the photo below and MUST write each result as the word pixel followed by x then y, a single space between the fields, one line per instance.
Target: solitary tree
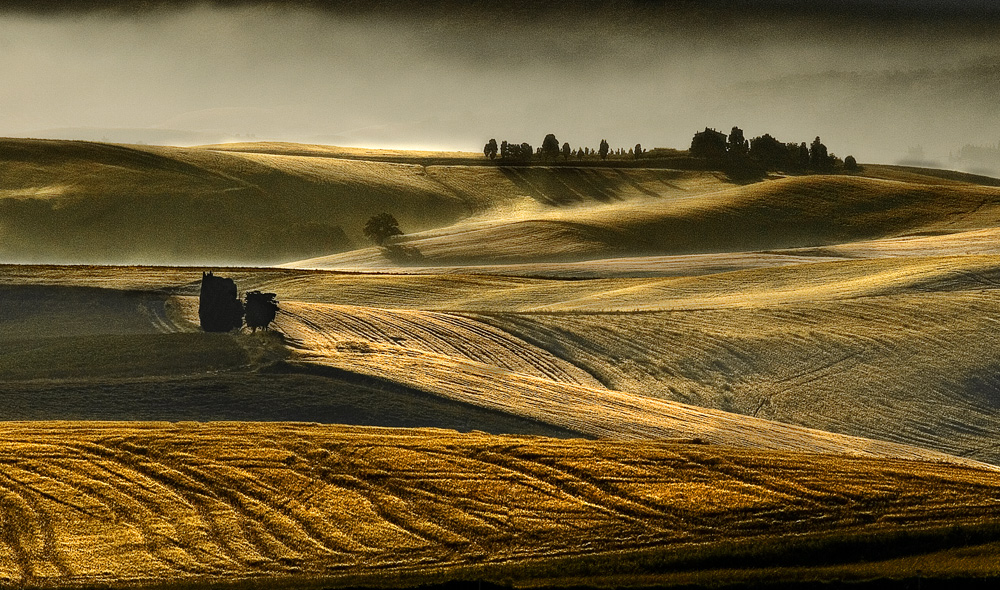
pixel 566 151
pixel 490 150
pixel 381 227
pixel 605 148
pixel 550 147
pixel 219 305
pixel 260 309
pixel 850 164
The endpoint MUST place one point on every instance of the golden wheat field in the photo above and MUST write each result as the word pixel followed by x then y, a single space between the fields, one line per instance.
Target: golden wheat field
pixel 123 503
pixel 567 376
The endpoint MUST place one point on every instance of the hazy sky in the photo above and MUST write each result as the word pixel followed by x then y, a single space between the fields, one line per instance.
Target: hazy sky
pixel 872 78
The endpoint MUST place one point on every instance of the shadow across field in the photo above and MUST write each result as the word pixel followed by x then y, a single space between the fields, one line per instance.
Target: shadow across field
pixel 898 559
pixel 327 396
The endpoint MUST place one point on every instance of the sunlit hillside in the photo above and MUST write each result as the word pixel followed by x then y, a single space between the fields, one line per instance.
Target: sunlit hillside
pixel 564 375
pixel 632 358
pixel 279 203
pixel 63 201
pixel 774 214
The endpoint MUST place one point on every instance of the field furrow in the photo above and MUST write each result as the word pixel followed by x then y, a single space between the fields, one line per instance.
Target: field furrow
pixel 126 503
pixel 336 328
pixel 912 368
pixel 589 410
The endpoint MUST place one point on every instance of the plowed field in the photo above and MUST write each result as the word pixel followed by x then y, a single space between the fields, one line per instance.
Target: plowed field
pixel 122 503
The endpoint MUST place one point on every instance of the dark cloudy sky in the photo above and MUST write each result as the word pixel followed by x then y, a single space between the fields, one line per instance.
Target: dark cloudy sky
pixel 873 78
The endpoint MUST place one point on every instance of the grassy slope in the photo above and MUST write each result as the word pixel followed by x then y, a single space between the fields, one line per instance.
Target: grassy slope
pixel 78 201
pixel 120 504
pixel 262 203
pixel 466 361
pixel 90 353
pixel 776 214
pixel 903 337
pixel 909 344
pixel 279 148
pixel 66 201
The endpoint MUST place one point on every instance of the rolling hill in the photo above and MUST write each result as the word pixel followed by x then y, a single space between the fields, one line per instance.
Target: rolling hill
pixel 81 202
pixel 685 369
pixel 66 201
pixel 778 214
pixel 564 375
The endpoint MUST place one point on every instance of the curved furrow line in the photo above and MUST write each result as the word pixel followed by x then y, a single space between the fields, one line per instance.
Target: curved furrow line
pixel 422 337
pixel 507 483
pixel 51 546
pixel 435 492
pixel 300 331
pixel 794 493
pixel 820 371
pixel 550 366
pixel 166 542
pixel 364 475
pixel 455 324
pixel 556 339
pixel 397 515
pixel 170 479
pixel 530 481
pixel 18 533
pixel 920 371
pixel 268 532
pixel 360 324
pixel 500 349
pixel 431 498
pixel 609 413
pixel 52 496
pixel 422 333
pixel 290 523
pixel 483 496
pixel 170 527
pixel 576 486
pixel 486 348
pixel 319 326
pixel 225 528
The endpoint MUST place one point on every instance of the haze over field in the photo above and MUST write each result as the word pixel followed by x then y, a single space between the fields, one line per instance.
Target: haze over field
pixel 749 363
pixel 875 79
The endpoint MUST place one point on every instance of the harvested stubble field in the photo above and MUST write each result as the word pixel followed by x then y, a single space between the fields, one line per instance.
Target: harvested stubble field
pixel 789 380
pixel 126 503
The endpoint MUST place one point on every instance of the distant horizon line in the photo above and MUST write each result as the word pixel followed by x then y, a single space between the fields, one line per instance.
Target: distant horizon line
pixel 49 135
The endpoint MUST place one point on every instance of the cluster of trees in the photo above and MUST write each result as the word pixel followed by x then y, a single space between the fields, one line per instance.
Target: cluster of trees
pixel 508 151
pixel 735 152
pixel 551 150
pixel 221 310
